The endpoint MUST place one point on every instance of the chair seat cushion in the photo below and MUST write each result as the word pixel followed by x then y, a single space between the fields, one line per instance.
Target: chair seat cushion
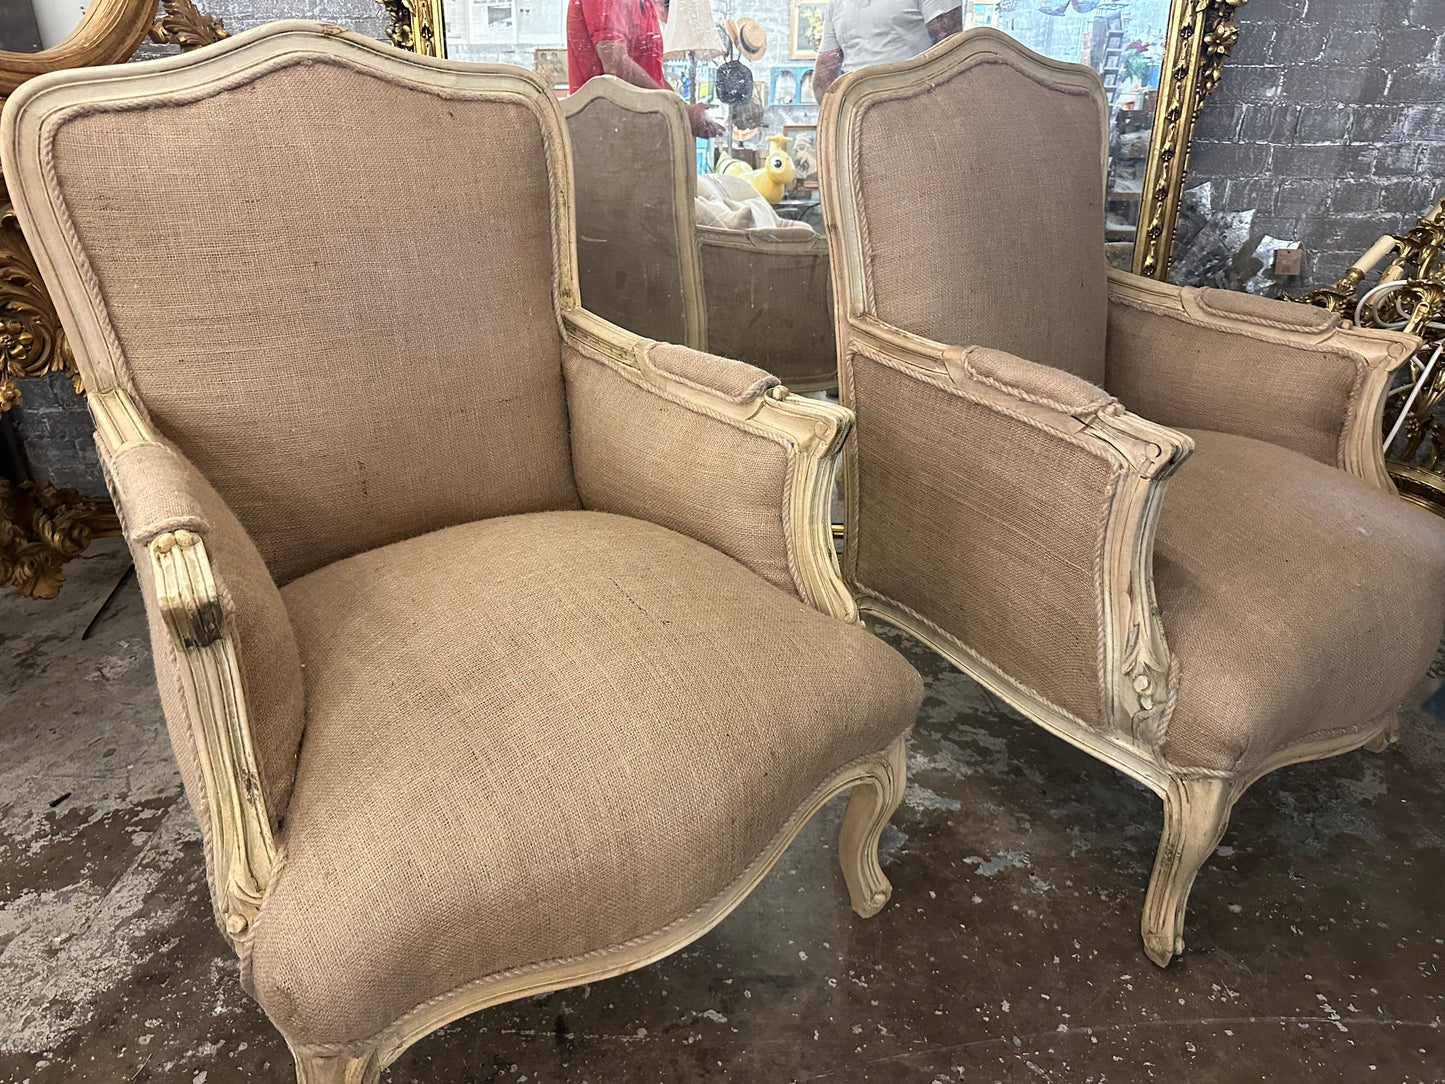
pixel 1300 602
pixel 537 737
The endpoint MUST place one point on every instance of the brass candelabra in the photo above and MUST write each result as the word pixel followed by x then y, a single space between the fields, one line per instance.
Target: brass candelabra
pixel 1409 297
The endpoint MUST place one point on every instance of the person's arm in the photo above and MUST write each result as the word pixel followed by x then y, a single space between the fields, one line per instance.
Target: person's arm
pixel 616 61
pixel 949 22
pixel 825 70
pixel 830 57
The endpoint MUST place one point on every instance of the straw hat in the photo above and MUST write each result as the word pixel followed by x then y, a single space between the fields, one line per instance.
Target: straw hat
pixel 752 39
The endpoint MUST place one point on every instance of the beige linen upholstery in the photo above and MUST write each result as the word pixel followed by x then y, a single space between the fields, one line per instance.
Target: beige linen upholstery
pixel 737 478
pixel 768 300
pixel 157 490
pixel 569 653
pixel 758 295
pixel 292 228
pixel 990 147
pixel 1296 638
pixel 451 739
pixel 1004 565
pixel 1235 363
pixel 1195 606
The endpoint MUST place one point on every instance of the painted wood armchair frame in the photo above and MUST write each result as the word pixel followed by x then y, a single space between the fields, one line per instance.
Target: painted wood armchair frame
pixel 1137 667
pixel 242 853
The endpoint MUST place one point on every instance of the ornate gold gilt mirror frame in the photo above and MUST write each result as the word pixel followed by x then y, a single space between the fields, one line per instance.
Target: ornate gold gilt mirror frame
pixel 107 32
pixel 1166 81
pixel 43 525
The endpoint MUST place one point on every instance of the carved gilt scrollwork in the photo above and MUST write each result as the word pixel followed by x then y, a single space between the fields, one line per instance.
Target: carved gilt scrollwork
pixel 1201 35
pixel 182 24
pixel 41 525
pixel 1409 297
pixel 415 25
pixel 31 340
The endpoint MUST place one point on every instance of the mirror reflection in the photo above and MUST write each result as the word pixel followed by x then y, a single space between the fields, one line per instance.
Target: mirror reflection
pixel 751 72
pixel 30 26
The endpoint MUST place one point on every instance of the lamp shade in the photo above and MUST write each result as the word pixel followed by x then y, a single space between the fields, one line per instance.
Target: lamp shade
pixel 690 29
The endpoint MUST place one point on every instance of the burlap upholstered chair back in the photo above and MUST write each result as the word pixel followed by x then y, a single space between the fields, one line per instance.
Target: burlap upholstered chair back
pixel 637 258
pixel 979 198
pixel 343 378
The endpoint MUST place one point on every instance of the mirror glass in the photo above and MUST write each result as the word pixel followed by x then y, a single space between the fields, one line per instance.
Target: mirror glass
pixel 779 44
pixel 31 26
pixel 1124 42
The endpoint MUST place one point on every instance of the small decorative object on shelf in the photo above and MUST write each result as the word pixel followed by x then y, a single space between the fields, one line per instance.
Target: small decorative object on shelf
pixel 772 178
pixel 1409 297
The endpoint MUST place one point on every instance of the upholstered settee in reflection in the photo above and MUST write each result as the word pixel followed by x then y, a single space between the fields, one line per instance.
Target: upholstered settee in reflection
pixel 1155 520
pixel 501 649
pixel 758 295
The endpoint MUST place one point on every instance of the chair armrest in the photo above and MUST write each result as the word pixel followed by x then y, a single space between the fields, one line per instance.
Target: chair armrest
pixel 1294 375
pixel 213 628
pixel 1059 443
pixel 708 447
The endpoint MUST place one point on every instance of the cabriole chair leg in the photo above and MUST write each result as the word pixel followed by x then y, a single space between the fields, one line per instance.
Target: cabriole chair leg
pixel 1196 812
pixel 870 805
pixel 337 1068
pixel 1389 734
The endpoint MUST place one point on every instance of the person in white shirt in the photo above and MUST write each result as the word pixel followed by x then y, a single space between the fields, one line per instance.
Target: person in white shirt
pixel 861 32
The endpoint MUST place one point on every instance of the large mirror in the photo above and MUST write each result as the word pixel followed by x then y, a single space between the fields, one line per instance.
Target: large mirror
pixel 1158 60
pixel 38 36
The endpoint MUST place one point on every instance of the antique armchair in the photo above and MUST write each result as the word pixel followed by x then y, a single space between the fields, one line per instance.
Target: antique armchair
pixel 501 649
pixel 1006 505
pixel 759 295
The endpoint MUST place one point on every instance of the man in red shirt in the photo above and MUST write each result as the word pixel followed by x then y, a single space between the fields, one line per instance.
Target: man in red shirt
pixel 622 38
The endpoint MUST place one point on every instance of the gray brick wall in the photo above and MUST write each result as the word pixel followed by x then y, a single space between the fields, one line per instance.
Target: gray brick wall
pixel 1327 128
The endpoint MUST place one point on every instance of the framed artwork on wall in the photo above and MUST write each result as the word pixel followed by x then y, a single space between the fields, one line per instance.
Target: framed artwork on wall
pixel 807 28
pixel 804 149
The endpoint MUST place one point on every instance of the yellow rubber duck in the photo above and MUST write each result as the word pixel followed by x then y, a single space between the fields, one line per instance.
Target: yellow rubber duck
pixel 772 178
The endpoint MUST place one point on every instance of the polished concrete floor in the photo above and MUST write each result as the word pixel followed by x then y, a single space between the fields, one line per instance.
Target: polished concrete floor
pixel 1010 950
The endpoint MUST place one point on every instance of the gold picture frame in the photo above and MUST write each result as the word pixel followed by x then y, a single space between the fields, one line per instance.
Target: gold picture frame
pixel 805 28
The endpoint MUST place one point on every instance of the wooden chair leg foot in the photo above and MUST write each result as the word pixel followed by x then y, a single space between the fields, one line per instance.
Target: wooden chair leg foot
pixel 1388 735
pixel 870 805
pixel 1196 812
pixel 337 1068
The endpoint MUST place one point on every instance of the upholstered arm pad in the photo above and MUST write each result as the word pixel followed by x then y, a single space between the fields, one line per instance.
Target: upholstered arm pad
pixel 1026 380
pixel 165 504
pixel 708 447
pixel 1041 492
pixel 1293 375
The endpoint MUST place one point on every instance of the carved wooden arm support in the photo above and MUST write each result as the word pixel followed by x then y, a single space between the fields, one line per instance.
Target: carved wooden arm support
pixel 169 533
pixel 1294 375
pixel 696 442
pixel 1136 665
